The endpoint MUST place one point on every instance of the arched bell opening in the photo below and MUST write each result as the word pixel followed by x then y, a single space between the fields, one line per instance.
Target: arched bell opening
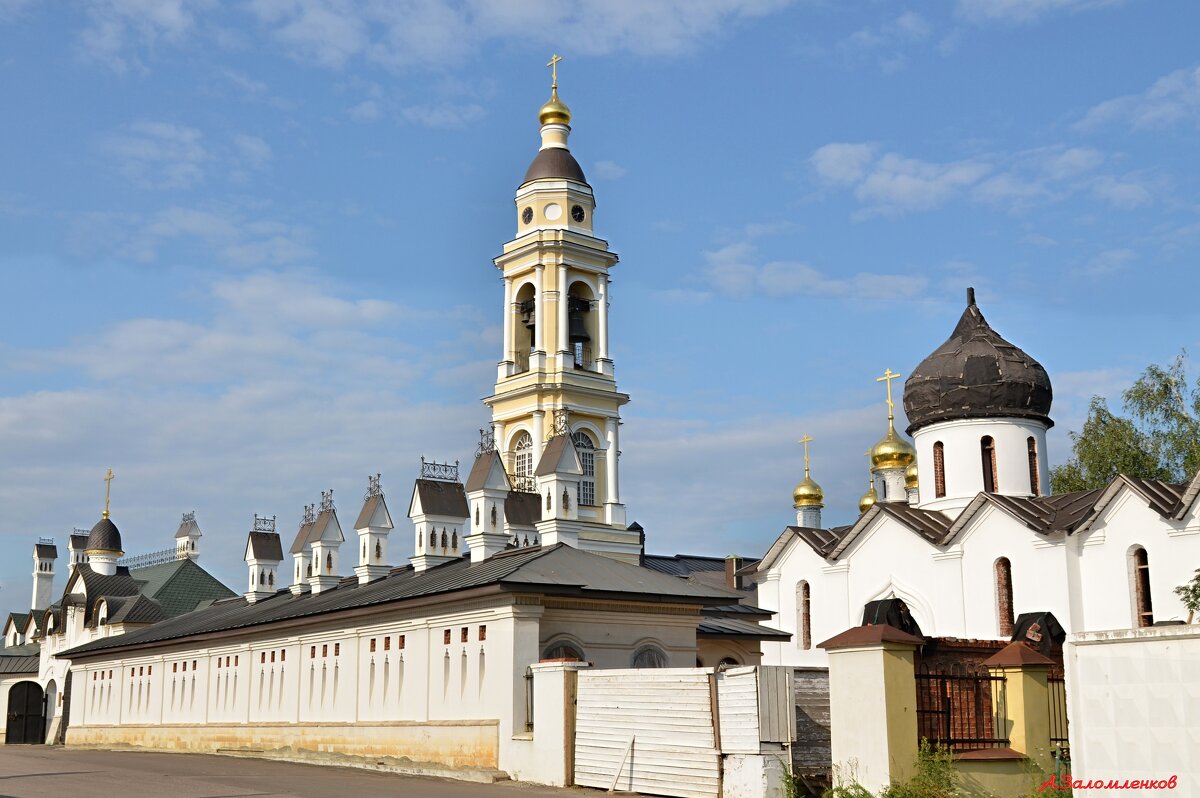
pixel 581 325
pixel 524 325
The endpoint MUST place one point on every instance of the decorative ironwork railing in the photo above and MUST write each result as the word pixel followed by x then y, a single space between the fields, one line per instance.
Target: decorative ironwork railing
pixel 153 558
pixel 190 516
pixel 523 484
pixel 487 442
pixel 374 486
pixel 962 712
pixel 445 472
pixel 264 524
pixel 46 541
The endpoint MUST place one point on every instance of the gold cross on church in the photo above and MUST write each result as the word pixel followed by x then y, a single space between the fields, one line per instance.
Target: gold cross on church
pixel 805 441
pixel 887 377
pixel 554 59
pixel 108 478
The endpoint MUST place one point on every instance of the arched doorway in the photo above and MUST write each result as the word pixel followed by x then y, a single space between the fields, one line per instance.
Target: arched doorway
pixel 26 714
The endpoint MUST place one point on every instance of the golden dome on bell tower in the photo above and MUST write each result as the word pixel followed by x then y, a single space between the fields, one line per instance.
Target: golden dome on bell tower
pixel 892 451
pixel 555 111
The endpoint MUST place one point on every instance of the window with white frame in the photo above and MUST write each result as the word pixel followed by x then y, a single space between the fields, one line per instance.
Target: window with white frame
pixel 523 460
pixel 587 457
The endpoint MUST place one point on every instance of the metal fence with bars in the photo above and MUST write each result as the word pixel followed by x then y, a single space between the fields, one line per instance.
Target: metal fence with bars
pixel 963 710
pixel 1058 715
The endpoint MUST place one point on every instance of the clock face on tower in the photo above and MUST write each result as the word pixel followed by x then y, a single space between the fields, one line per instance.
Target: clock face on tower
pixel 527 215
pixel 577 213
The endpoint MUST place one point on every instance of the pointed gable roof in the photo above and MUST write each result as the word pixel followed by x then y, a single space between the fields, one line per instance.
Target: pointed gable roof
pixel 265 546
pixel 374 513
pixel 438 497
pixel 188 526
pixel 135 609
pixel 559 457
pixel 931 525
pixel 326 528
pixel 301 540
pixel 488 472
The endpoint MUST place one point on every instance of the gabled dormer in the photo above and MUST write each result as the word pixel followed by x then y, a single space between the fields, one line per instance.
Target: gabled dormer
pixel 325 540
pixel 373 526
pixel 488 488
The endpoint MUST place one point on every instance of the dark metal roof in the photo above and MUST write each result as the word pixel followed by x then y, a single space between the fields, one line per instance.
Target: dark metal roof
pixel 929 524
pixel 265 546
pixel 710 627
pixel 821 541
pixel 552 455
pixel 1163 497
pixel 17 619
pixel 555 162
pixel 743 610
pixel 45 551
pixel 104 537
pixel 19 664
pixel 134 609
pixel 440 498
pixel 302 536
pixel 976 374
pixel 522 509
pixel 78 541
pixel 558 569
pixel 180 586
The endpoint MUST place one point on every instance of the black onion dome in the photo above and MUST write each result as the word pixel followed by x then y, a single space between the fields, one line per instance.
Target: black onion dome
pixel 104 537
pixel 555 163
pixel 976 374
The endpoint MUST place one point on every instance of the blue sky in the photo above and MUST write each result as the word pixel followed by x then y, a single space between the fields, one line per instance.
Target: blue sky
pixel 247 246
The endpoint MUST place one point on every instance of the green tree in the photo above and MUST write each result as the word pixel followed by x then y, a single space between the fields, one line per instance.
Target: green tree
pixel 1158 439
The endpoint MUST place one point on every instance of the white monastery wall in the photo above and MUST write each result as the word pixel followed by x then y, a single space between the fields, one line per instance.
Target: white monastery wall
pixel 1133 697
pixel 1105 562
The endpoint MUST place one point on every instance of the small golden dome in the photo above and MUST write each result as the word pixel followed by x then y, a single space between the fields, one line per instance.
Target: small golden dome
pixel 808 494
pixel 555 111
pixel 868 500
pixel 892 451
pixel 910 475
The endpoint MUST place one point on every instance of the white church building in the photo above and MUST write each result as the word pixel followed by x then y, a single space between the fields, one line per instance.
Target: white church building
pixel 959 524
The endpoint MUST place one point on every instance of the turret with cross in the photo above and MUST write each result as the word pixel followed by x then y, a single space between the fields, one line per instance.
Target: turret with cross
pixel 892 454
pixel 807 496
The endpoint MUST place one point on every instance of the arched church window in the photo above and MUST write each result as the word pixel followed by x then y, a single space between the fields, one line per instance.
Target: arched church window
pixel 523 459
pixel 649 657
pixel 562 649
pixel 566 500
pixel 493 515
pixel 445 540
pixel 364 554
pixel 261 581
pixel 587 458
pixel 271 579
pixel 803 616
pixel 433 538
pixel 454 540
pixel 308 570
pixel 329 562
pixel 939 470
pixel 378 550
pixel 987 451
pixel 1035 482
pixel 1004 596
pixel 1143 605
pixel 477 515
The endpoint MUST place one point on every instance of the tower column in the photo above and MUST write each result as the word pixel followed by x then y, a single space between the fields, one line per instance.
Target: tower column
pixel 540 309
pixel 602 318
pixel 539 435
pixel 563 344
pixel 508 320
pixel 612 494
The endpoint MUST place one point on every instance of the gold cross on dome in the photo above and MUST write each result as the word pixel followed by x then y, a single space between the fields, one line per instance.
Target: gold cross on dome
pixel 805 441
pixel 108 478
pixel 887 377
pixel 554 59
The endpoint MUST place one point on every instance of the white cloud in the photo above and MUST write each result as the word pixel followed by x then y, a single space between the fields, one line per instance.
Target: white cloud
pixel 842 164
pixel 607 170
pixel 898 184
pixel 366 111
pixel 442 115
pixel 157 154
pixel 1023 11
pixel 1171 100
pixel 117 26
pixel 13 9
pixel 1122 193
pixel 1109 262
pixel 734 270
pixel 252 151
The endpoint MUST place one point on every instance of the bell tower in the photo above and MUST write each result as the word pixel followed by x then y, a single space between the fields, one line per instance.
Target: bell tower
pixel 555 377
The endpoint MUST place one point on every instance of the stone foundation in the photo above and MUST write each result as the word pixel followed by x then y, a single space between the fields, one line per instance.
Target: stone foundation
pixel 469 745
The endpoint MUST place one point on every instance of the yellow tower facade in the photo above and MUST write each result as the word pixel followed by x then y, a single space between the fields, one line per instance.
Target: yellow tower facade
pixel 555 378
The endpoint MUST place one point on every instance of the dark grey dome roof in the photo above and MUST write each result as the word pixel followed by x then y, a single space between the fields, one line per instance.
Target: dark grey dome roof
pixel 976 374
pixel 555 162
pixel 104 537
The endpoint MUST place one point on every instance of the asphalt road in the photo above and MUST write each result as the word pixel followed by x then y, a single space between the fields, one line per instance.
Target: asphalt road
pixel 55 772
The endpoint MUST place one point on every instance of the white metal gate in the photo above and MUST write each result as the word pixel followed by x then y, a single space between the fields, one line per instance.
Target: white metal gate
pixel 649 730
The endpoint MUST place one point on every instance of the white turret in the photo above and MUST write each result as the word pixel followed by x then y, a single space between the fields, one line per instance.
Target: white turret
pixel 439 514
pixel 325 540
pixel 373 525
pixel 264 553
pixel 187 539
pixel 44 555
pixel 487 490
pixel 302 553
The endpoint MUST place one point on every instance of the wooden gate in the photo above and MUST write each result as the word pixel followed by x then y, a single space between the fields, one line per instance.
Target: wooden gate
pixel 26 714
pixel 649 730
